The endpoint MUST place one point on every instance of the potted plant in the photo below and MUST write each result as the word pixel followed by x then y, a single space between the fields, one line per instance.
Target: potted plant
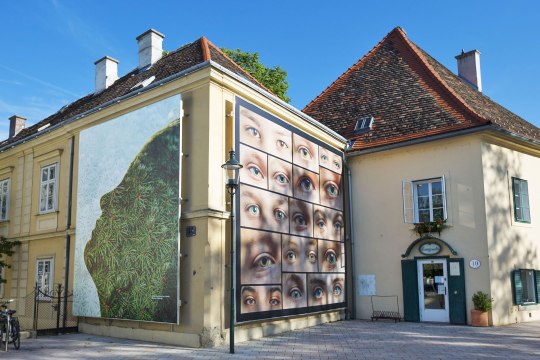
pixel 482 305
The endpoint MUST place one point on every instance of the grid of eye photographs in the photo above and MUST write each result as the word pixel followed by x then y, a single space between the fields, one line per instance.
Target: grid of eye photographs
pixel 291 253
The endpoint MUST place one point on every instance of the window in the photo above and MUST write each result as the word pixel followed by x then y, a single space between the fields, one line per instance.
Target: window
pixel 522 212
pixel 4 199
pixel 364 124
pixel 47 193
pixel 424 200
pixel 526 286
pixel 44 277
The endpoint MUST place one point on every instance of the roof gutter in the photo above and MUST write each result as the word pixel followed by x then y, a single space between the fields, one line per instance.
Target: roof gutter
pixel 108 104
pixel 474 130
pixel 280 102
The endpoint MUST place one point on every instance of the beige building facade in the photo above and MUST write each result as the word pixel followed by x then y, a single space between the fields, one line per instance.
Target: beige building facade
pixel 44 166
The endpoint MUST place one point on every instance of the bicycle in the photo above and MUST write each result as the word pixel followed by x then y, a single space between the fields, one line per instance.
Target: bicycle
pixel 10 331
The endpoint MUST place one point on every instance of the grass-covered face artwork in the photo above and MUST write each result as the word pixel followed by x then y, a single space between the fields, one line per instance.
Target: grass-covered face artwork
pixel 132 254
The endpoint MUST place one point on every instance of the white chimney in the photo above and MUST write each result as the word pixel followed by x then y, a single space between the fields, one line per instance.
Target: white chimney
pixel 16 124
pixel 150 47
pixel 469 68
pixel 106 72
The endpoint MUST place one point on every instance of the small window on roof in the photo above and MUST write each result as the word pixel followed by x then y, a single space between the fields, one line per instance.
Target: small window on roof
pixel 363 124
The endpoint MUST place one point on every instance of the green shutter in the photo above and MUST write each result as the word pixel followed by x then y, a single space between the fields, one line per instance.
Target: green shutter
pixel 456 294
pixel 537 279
pixel 517 287
pixel 409 274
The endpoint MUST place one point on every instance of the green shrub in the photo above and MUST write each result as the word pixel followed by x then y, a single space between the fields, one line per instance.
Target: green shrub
pixel 482 301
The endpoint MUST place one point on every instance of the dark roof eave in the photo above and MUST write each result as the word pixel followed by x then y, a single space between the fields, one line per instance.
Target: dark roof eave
pixel 107 104
pixel 477 129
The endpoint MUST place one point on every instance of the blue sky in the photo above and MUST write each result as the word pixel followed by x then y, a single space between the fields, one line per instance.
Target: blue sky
pixel 48 47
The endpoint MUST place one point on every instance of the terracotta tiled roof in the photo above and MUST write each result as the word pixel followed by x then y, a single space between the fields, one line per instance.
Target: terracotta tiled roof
pixel 410 95
pixel 176 61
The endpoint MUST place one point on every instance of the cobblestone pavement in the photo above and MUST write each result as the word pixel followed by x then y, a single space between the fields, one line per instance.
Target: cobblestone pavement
pixel 341 340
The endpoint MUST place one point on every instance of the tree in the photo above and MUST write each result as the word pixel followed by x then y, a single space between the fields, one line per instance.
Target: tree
pixel 6 248
pixel 275 79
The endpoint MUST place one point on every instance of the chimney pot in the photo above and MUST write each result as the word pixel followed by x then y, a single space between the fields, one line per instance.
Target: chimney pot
pixel 106 72
pixel 150 47
pixel 469 68
pixel 16 124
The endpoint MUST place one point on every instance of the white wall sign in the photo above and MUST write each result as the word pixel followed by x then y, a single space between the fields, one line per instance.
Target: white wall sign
pixel 366 285
pixel 475 263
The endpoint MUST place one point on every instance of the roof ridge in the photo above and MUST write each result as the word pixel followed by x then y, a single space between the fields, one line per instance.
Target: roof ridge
pixel 416 51
pixel 353 67
pixel 209 43
pixel 205 48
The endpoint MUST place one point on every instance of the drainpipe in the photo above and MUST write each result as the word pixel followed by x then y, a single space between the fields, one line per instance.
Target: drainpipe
pixel 68 227
pixel 351 238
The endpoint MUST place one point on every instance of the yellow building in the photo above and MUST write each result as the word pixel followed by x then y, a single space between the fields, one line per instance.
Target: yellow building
pixel 444 187
pixel 120 198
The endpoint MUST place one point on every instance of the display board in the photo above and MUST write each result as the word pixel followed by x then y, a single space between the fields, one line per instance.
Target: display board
pixel 126 250
pixel 290 226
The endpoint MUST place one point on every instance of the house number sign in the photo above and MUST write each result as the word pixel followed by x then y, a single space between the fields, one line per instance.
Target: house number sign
pixel 430 248
pixel 474 263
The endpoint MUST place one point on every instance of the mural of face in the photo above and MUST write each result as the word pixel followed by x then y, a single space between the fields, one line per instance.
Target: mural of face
pixel 325 289
pixel 299 254
pixel 330 160
pixel 330 189
pixel 305 153
pixel 260 298
pixel 255 170
pixel 280 176
pixel 260 257
pixel 328 223
pixel 262 209
pixel 301 218
pixel 265 135
pixel 294 291
pixel 305 184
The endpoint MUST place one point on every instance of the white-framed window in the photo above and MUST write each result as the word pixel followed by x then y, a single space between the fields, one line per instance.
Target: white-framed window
pixel 44 277
pixel 522 210
pixel 4 199
pixel 48 188
pixel 424 200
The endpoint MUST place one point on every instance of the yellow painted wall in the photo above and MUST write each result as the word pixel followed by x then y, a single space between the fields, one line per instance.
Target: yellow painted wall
pixel 380 234
pixel 512 245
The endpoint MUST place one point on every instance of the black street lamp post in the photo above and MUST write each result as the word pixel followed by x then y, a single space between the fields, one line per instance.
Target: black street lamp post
pixel 232 166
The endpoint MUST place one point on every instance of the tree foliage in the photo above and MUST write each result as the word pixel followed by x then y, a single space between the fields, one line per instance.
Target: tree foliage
pixel 6 249
pixel 275 79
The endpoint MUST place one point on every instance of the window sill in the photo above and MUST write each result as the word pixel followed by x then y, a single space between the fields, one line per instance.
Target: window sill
pixel 47 212
pixel 522 224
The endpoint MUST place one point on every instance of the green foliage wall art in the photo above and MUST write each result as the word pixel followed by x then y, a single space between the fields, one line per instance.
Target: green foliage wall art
pixel 127 240
pixel 132 255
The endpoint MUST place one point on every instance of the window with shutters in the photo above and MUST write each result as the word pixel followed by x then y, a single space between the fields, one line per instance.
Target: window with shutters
pixel 4 199
pixel 48 188
pixel 522 211
pixel 424 200
pixel 526 286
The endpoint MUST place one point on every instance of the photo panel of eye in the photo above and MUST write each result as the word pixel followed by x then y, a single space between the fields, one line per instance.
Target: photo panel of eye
pixel 263 209
pixel 255 168
pixel 330 256
pixel 260 257
pixel 280 176
pixel 330 189
pixel 294 291
pixel 264 134
pixel 299 254
pixel 301 217
pixel 330 160
pixel 327 223
pixel 305 184
pixel 257 298
pixel 305 153
pixel 323 289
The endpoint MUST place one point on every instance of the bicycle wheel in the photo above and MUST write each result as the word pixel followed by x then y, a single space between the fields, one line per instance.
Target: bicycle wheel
pixel 15 333
pixel 4 338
